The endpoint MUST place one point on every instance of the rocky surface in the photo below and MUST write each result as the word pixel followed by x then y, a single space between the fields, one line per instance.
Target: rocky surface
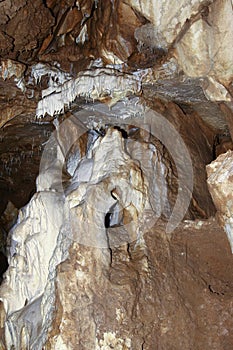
pixel 110 113
pixel 220 185
pixel 162 293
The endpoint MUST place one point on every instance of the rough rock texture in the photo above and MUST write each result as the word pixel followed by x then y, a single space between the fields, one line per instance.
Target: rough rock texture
pixel 132 300
pixel 16 20
pixel 29 281
pixel 110 112
pixel 209 54
pixel 110 191
pixel 220 184
pixel 97 221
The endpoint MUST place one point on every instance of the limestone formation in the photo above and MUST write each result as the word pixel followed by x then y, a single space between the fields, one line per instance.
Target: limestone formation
pixel 116 127
pixel 220 184
pixel 103 206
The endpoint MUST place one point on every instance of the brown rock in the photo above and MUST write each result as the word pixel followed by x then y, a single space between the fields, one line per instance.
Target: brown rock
pixel 29 26
pixel 164 300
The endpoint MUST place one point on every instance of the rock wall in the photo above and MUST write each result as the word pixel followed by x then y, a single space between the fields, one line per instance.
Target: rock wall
pixel 220 185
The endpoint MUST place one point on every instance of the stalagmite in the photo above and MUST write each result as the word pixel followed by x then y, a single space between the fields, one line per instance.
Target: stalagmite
pixel 103 206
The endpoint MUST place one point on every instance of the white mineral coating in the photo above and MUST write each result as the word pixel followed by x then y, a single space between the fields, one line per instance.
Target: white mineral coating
pixel 115 186
pixel 10 68
pixel 82 37
pixel 167 17
pixel 124 109
pixel 200 30
pixel 205 49
pixel 155 171
pixel 221 17
pixel 56 76
pixel 111 57
pixel 50 179
pixel 220 183
pixel 50 174
pixel 111 341
pixel 150 36
pixel 58 151
pixel 83 171
pixel 103 206
pixel 215 91
pixel 92 84
pixel 76 165
pixel 193 50
pixel 33 257
pixel 56 79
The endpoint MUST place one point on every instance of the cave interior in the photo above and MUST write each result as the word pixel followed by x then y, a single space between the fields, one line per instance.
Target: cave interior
pixel 122 112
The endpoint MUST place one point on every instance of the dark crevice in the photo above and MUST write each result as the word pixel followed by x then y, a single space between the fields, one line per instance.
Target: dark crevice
pixel 221 143
pixel 3 265
pixel 113 196
pixel 129 250
pixel 214 291
pixel 107 220
pixel 122 131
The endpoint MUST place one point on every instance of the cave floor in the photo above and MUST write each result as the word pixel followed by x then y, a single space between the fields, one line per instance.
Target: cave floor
pixel 199 263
